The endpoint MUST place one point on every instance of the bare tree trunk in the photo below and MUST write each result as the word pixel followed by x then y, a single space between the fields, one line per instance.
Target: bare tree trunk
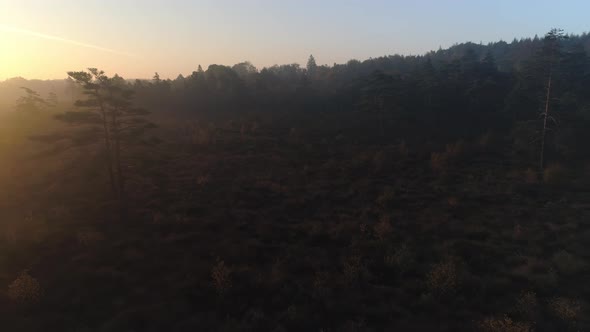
pixel 107 143
pixel 119 168
pixel 378 102
pixel 382 112
pixel 117 161
pixel 545 117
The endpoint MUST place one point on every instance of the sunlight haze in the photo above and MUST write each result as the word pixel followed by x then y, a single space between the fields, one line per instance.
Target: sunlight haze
pixel 294 165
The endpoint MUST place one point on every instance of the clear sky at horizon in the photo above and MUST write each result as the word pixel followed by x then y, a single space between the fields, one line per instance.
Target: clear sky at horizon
pixel 45 38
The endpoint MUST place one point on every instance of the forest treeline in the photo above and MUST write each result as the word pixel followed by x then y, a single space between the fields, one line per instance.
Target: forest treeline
pixel 462 91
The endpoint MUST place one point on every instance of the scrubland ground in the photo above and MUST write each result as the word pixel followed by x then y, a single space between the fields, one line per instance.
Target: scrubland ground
pixel 287 225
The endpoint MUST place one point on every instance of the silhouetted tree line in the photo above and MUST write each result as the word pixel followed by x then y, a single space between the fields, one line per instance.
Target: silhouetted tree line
pixel 466 89
pixel 535 88
pixel 470 68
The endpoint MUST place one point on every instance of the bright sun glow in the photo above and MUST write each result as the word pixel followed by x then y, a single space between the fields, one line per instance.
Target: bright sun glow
pixel 34 54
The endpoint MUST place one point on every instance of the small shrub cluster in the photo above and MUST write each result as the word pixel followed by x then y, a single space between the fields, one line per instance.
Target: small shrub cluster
pixel 567 263
pixel 454 150
pixel 530 176
pixel 9 235
pixel 485 139
pixel 518 232
pixel 276 273
pixel 565 309
pixel 503 324
pixel 399 259
pixel 197 135
pixel 383 228
pixel 386 198
pixel 60 212
pixel 527 304
pixel 453 202
pixel 442 278
pixel 352 269
pixel 222 279
pixel 379 160
pixel 403 149
pixel 357 325
pixel 439 161
pixel 554 174
pixel 203 180
pixel 159 218
pixel 25 289
pixel 292 312
pixel 272 186
pixel 89 237
pixel 363 228
pixel 321 282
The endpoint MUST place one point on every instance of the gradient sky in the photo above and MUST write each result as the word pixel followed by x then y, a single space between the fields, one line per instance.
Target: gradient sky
pixel 45 38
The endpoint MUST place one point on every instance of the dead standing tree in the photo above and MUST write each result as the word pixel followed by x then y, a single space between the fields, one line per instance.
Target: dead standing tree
pixel 551 55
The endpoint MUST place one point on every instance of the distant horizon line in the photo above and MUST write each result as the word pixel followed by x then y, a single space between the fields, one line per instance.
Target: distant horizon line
pixel 582 34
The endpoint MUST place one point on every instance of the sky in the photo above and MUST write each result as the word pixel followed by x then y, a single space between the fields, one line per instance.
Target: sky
pixel 44 39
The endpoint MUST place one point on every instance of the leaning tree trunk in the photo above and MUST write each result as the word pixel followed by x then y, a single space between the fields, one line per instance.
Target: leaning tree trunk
pixel 118 165
pixel 545 117
pixel 107 143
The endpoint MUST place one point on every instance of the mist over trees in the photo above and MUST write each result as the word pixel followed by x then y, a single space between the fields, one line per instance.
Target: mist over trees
pixel 438 192
pixel 466 89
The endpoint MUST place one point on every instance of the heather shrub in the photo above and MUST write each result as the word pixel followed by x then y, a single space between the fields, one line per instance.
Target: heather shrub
pixel 527 304
pixel 403 149
pixel 352 269
pixel 89 237
pixel 453 201
pixel 379 160
pixel 320 284
pixel 567 263
pixel 439 161
pixel 530 176
pixel 455 149
pixel 276 273
pixel 567 310
pixel 221 275
pixel 442 278
pixel 399 258
pixel 554 174
pixel 383 228
pixel 485 139
pixel 386 198
pixel 25 289
pixel 203 180
pixel 503 324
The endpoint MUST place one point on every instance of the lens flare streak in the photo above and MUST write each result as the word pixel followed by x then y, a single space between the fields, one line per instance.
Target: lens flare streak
pixel 60 39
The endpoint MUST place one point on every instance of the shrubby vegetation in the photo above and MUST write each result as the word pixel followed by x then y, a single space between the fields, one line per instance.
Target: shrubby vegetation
pixel 446 191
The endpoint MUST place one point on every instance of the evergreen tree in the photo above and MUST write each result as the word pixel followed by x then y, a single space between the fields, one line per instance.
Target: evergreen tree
pixel 312 67
pixel 31 101
pixel 109 105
